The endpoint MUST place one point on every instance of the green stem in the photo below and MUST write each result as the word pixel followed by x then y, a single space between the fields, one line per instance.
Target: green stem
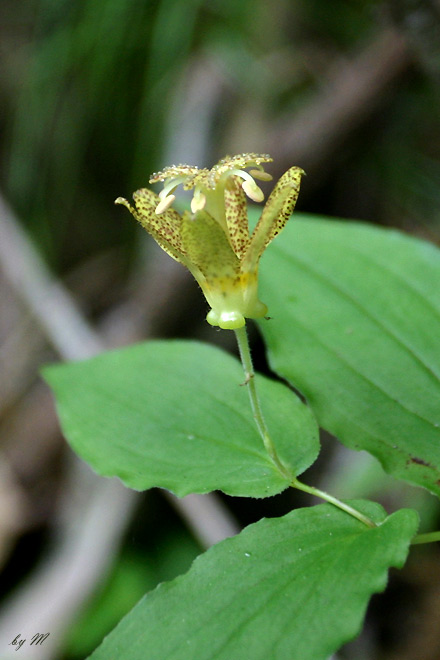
pixel 248 367
pixel 429 537
pixel 333 500
pixel 246 360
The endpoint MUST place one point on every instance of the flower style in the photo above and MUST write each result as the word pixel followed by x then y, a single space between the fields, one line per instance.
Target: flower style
pixel 213 240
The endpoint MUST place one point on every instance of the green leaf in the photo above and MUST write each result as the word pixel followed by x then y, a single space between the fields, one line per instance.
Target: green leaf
pixel 173 414
pixel 356 328
pixel 291 588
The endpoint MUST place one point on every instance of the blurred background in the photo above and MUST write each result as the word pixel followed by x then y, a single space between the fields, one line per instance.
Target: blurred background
pixel 94 97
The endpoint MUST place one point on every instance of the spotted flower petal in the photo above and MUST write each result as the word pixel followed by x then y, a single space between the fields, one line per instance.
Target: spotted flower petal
pixel 207 246
pixel 164 228
pixel 236 216
pixel 277 211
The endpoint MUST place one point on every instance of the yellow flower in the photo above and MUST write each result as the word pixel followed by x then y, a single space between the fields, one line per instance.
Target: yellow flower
pixel 213 240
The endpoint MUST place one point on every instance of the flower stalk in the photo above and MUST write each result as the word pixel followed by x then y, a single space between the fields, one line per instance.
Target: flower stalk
pixel 246 360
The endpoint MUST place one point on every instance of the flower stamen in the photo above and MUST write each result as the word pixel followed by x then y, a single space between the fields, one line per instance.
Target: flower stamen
pixel 253 191
pixel 198 201
pixel 249 186
pixel 165 204
pixel 171 186
pixel 166 197
pixel 261 175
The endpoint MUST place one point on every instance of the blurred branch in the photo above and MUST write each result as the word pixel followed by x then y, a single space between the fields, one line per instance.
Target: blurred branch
pixel 87 541
pixel 353 91
pixel 20 353
pixel 216 526
pixel 94 512
pixel 193 110
pixel 52 306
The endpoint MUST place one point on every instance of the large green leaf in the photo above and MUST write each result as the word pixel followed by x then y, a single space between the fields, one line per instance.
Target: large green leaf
pixel 356 328
pixel 173 414
pixel 291 588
